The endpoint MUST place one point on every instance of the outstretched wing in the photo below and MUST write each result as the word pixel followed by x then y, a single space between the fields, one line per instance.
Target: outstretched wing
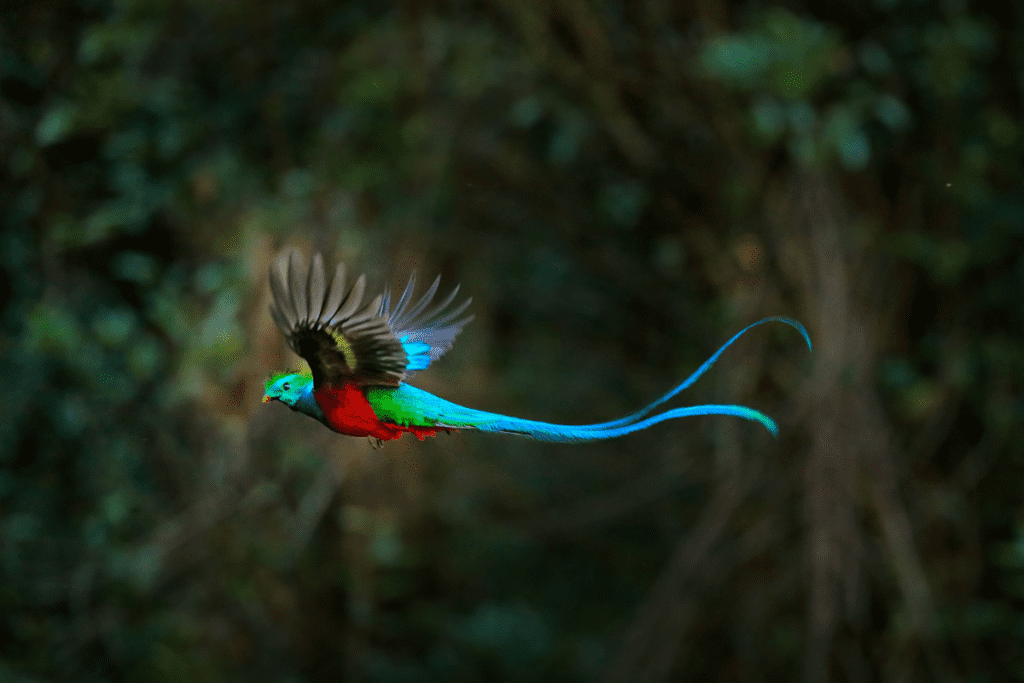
pixel 342 340
pixel 424 334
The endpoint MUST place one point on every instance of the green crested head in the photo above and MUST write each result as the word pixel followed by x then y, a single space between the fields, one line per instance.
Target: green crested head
pixel 288 388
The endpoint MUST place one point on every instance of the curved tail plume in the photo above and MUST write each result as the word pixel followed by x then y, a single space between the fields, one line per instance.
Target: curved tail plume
pixel 686 383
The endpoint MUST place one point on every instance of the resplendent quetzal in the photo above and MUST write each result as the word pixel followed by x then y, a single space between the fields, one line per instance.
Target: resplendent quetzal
pixel 361 355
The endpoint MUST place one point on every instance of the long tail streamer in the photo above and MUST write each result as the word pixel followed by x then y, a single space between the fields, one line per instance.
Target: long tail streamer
pixel 748 413
pixel 460 417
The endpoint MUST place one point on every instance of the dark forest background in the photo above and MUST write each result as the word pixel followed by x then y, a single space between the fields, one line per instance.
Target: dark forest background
pixel 621 186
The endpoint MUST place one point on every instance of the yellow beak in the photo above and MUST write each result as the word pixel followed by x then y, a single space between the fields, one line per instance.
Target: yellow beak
pixel 266 398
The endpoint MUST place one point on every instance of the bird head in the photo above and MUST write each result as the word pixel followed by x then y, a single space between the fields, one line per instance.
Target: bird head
pixel 287 389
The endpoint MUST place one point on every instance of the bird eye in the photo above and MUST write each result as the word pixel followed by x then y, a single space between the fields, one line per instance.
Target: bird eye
pixel 285 387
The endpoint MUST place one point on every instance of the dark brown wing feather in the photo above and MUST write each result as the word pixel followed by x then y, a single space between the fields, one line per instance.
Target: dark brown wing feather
pixel 341 339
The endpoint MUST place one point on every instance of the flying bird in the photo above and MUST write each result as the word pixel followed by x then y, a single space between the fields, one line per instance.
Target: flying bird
pixel 360 356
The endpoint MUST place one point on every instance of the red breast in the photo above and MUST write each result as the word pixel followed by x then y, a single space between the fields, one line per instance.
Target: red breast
pixel 348 412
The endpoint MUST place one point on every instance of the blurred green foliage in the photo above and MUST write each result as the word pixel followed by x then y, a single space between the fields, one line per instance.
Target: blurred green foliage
pixel 587 169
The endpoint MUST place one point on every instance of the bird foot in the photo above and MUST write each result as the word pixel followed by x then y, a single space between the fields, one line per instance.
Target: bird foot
pixel 376 442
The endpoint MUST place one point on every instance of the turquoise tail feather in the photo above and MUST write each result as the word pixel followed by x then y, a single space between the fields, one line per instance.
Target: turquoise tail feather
pixel 407 405
pixel 545 431
pixel 686 383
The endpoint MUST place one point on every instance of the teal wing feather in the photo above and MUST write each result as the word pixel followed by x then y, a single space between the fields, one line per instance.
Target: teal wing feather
pixel 425 333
